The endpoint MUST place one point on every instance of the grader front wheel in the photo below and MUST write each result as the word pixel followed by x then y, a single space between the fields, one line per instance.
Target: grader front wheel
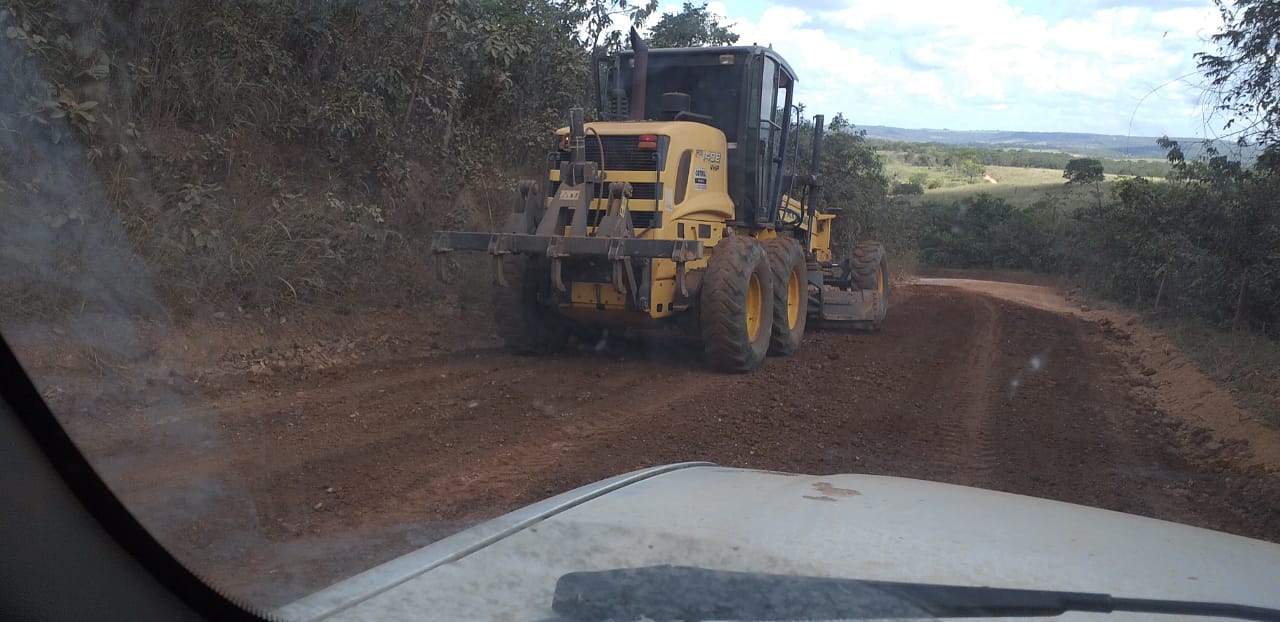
pixel 869 270
pixel 790 294
pixel 736 305
pixel 525 324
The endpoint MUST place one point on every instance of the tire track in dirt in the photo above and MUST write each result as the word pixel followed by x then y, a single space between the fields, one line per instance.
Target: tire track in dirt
pixel 257 422
pixel 479 437
pixel 974 388
pixel 932 421
pixel 507 473
pixel 318 475
pixel 1112 462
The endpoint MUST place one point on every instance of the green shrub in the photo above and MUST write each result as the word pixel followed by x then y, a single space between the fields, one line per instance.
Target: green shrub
pixel 982 231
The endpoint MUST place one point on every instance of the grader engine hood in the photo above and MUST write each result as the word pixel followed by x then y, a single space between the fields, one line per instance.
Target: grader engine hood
pixel 840 526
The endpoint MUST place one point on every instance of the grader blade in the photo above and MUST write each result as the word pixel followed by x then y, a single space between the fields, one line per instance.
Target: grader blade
pixel 863 305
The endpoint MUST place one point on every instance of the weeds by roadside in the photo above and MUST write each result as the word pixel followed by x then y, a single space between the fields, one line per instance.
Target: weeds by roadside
pixel 1247 363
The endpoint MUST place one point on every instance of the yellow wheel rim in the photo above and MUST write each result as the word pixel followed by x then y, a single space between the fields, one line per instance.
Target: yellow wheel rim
pixel 793 299
pixel 754 302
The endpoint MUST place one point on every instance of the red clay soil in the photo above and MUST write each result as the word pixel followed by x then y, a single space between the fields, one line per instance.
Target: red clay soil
pixel 276 483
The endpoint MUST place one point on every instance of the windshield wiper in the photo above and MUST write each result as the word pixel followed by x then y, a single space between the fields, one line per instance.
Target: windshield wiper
pixel 685 593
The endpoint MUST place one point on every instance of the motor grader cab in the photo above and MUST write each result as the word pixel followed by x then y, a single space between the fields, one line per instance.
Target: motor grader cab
pixel 677 206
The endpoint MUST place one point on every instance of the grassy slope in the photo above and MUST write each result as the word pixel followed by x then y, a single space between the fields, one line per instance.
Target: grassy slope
pixel 1248 364
pixel 1019 186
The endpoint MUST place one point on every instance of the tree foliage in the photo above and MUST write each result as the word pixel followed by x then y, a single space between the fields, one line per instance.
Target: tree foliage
pixel 1206 244
pixel 983 231
pixel 1083 171
pixel 264 148
pixel 693 26
pixel 853 184
pixel 907 188
pixel 1245 70
pixel 940 156
pixel 597 19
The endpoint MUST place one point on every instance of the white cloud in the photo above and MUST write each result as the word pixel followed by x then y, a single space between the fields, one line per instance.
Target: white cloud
pixel 829 70
pixel 991 64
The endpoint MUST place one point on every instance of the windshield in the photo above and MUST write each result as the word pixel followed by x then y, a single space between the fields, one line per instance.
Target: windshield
pixel 713 86
pixel 314 285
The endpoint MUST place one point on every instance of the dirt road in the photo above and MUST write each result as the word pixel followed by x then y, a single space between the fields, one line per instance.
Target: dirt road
pixel 274 484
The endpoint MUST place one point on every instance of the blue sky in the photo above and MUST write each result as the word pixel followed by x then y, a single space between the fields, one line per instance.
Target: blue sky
pixel 1105 66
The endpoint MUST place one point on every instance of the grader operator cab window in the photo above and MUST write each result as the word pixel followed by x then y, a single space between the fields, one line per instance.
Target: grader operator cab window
pixel 713 87
pixel 770 122
pixel 744 92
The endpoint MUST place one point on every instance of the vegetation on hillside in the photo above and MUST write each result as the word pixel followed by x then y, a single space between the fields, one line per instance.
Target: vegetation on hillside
pixel 1193 246
pixel 260 152
pixel 1102 146
pixel 939 156
pixel 855 185
pixel 257 151
pixel 265 151
pixel 983 232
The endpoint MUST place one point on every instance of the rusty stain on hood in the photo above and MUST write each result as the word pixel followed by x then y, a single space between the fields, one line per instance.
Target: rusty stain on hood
pixel 832 491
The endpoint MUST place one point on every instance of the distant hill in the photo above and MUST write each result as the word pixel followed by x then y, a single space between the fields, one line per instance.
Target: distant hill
pixel 1097 145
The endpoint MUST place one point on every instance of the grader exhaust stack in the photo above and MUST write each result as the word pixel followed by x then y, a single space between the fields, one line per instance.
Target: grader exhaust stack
pixel 639 76
pixel 815 189
pixel 691 220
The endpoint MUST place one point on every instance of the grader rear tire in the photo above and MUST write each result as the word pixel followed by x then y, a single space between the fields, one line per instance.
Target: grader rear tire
pixel 790 294
pixel 736 305
pixel 527 326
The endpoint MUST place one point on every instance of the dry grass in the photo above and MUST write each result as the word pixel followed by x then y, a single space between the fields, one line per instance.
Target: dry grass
pixel 1021 187
pixel 1247 363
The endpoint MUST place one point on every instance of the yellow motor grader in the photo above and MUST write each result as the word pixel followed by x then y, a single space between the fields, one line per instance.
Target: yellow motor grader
pixel 677 207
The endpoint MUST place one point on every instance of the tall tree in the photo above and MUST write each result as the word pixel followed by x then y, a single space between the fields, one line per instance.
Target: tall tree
pixel 692 27
pixel 853 183
pixel 1244 72
pixel 596 19
pixel 1086 171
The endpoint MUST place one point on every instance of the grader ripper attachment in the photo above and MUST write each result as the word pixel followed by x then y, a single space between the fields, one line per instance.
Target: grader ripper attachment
pixel 692 216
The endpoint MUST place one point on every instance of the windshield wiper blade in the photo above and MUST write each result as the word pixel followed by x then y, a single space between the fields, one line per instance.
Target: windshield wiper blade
pixel 686 593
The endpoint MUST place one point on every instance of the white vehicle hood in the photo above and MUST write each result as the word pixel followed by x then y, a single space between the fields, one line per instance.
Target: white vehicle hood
pixel 846 526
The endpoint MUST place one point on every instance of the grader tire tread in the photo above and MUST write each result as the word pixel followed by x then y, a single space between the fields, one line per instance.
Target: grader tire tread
pixel 785 255
pixel 723 305
pixel 864 265
pixel 867 265
pixel 526 327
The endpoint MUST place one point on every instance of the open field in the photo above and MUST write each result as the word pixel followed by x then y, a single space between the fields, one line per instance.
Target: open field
pixel 1019 186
